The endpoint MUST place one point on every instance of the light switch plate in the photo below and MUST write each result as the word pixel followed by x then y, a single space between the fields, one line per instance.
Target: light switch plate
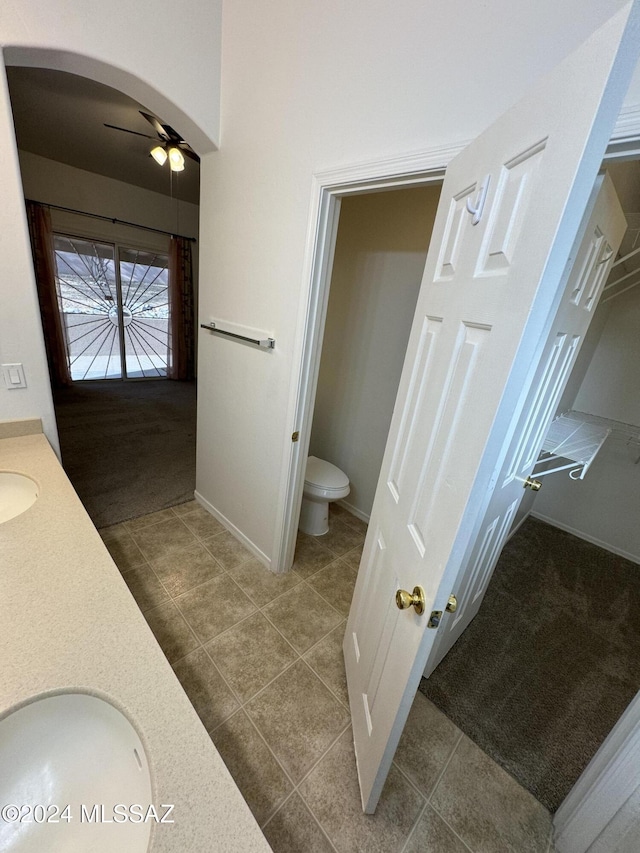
pixel 14 376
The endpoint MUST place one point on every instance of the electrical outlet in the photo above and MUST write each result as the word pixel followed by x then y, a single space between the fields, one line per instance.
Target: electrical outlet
pixel 14 376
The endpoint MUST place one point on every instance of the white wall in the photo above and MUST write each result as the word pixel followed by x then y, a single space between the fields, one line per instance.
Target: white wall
pixel 51 182
pixel 611 387
pixel 379 260
pixel 21 338
pixel 305 86
pixel 163 54
pixel 308 87
pixel 605 506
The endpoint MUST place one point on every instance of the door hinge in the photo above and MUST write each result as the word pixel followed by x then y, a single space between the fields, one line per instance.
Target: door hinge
pixel 295 435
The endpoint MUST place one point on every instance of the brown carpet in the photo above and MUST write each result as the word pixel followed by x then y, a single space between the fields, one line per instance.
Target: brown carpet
pixel 549 663
pixel 128 447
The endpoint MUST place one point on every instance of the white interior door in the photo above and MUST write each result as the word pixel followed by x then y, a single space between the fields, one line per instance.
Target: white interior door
pixel 598 242
pixel 492 282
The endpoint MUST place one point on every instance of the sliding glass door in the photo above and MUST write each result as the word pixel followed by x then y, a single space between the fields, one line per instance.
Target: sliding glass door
pixel 114 305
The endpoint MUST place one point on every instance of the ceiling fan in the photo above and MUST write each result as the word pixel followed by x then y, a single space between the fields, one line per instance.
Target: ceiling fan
pixel 172 146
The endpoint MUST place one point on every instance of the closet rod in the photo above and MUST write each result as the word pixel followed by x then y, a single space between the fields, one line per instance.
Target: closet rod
pixel 112 219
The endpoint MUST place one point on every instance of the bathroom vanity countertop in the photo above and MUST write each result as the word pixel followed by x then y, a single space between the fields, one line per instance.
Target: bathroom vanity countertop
pixel 69 624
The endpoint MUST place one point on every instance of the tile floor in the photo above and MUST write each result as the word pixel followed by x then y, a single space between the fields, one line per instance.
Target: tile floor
pixel 260 657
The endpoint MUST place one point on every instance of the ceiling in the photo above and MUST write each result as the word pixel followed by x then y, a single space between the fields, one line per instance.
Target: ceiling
pixel 61 116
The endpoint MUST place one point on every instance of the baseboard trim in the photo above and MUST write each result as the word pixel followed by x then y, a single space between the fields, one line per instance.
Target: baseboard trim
pixel 634 558
pixel 239 535
pixel 355 511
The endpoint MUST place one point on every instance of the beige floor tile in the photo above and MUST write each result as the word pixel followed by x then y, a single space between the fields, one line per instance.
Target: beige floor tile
pixel 353 557
pixel 147 520
pixel 250 655
pixel 214 606
pixel 432 835
pixel 310 555
pixel 427 742
pixel 335 583
pixel 332 793
pixel 341 537
pixel 124 551
pixel 486 807
pixel 293 829
pixel 171 631
pixel 202 523
pixel 337 510
pixel 113 531
pixel 327 660
pixel 206 689
pixel 145 587
pixel 355 522
pixel 181 509
pixel 260 778
pixel 261 585
pixel 227 550
pixel 161 540
pixel 302 616
pixel 298 717
pixel 184 569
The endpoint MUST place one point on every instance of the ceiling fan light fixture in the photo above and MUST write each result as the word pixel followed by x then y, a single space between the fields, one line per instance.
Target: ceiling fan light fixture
pixel 159 154
pixel 176 159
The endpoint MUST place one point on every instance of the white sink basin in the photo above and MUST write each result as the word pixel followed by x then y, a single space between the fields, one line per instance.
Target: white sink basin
pixel 17 494
pixel 75 750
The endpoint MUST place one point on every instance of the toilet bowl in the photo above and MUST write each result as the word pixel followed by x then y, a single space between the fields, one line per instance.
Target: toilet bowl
pixel 323 483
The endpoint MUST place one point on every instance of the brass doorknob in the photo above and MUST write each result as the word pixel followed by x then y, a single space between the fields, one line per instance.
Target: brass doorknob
pixel 406 599
pixel 452 604
pixel 534 485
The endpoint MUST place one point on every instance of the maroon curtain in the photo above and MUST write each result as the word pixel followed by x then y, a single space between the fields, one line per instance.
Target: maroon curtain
pixel 181 319
pixel 39 220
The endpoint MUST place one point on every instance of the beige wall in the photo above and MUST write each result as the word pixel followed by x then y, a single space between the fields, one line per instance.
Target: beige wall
pixel 380 253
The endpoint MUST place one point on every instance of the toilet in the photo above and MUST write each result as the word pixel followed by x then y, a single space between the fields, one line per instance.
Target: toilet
pixel 323 483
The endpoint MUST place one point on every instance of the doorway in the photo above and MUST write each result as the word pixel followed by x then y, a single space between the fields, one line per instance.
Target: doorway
pixel 114 309
pixel 549 664
pixel 381 248
pixel 373 292
pixel 334 213
pixel 113 234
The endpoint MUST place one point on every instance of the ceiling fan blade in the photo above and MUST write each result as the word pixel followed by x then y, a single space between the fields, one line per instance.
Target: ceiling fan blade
pixel 189 152
pixel 155 124
pixel 126 130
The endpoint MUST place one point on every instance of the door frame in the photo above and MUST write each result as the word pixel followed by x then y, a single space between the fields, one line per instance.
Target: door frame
pixel 601 787
pixel 599 809
pixel 328 190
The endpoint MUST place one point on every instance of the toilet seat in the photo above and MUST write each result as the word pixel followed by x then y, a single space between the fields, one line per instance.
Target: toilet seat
pixel 322 479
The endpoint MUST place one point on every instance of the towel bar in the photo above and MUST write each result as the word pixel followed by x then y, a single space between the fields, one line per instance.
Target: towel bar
pixel 266 343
